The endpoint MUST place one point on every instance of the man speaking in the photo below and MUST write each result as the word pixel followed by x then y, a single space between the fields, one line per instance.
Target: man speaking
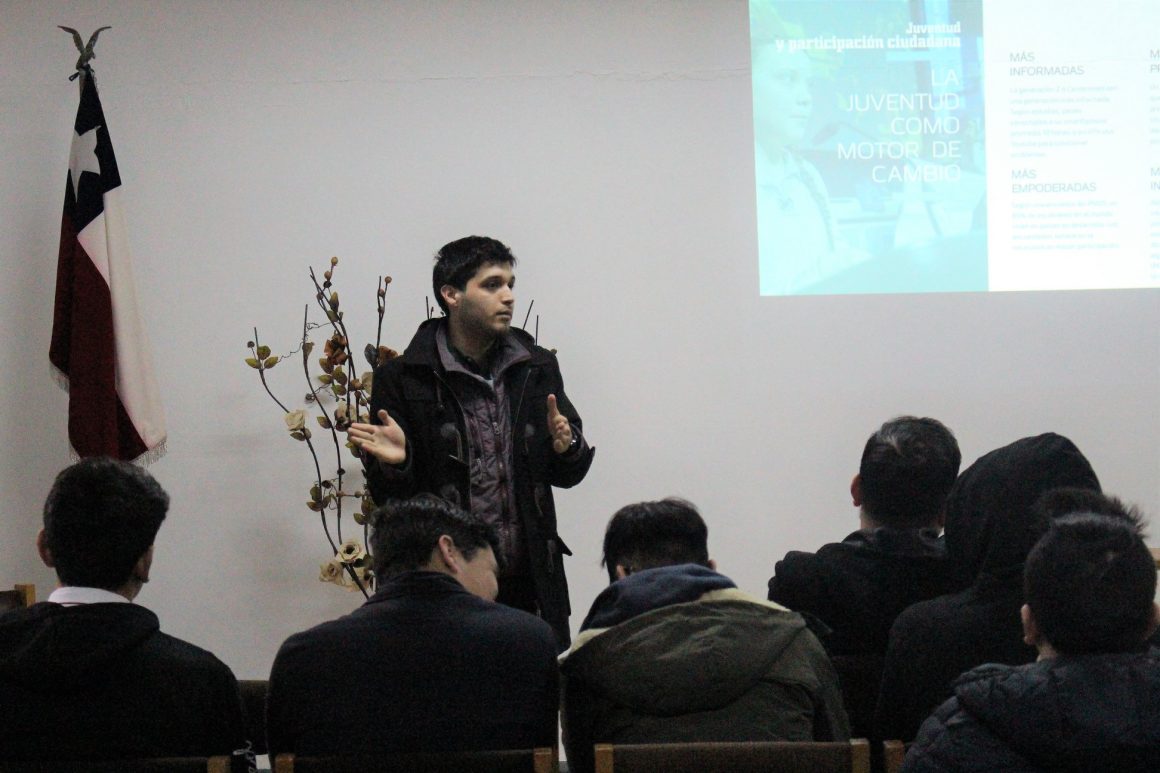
pixel 475 412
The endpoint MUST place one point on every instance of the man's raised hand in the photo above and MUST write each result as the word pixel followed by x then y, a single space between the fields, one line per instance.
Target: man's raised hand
pixel 384 441
pixel 558 427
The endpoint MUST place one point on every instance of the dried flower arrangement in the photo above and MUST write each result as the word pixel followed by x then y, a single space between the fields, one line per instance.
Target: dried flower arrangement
pixel 350 394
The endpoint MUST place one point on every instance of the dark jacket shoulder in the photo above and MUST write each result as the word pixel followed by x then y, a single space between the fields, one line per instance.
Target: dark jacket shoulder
pixel 113 685
pixel 857 587
pixel 1092 712
pixel 422 666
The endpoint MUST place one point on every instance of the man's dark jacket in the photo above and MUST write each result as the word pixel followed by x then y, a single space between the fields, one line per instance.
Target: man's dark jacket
pixel 414 391
pixel 1088 713
pixel 858 586
pixel 677 653
pixel 991 526
pixel 423 666
pixel 100 681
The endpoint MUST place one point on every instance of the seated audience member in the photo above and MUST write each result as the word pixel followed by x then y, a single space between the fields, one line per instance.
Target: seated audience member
pixel 672 651
pixel 857 587
pixel 88 674
pixel 991 524
pixel 1092 701
pixel 430 663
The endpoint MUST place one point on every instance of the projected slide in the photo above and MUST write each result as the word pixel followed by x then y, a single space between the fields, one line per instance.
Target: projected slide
pixel 956 145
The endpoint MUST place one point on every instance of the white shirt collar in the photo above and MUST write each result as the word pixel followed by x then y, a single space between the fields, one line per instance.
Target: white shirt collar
pixel 69 595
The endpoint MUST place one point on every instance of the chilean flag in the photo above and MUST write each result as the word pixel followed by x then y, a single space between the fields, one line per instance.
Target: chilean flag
pixel 98 345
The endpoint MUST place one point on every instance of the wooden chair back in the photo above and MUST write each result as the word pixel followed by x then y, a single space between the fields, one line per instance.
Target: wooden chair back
pixel 736 757
pixel 20 597
pixel 893 753
pixel 541 760
pixel 156 765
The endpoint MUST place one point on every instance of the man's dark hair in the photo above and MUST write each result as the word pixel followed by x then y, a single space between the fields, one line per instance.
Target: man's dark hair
pixel 100 517
pixel 651 534
pixel 407 531
pixel 457 262
pixel 1067 500
pixel 1090 583
pixel 908 467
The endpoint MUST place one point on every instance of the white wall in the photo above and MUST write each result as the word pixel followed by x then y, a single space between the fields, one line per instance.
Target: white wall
pixel 609 143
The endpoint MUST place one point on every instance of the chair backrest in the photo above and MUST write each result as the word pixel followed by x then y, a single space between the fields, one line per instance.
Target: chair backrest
pixel 541 760
pixel 736 757
pixel 156 765
pixel 254 711
pixel 893 753
pixel 19 597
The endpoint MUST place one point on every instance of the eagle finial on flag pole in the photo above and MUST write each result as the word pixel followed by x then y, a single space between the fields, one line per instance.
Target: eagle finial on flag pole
pixel 86 50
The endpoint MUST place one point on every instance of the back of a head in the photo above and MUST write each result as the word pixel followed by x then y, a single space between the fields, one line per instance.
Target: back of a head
pixel 647 535
pixel 991 518
pixel 1069 500
pixel 99 519
pixel 457 262
pixel 407 531
pixel 907 468
pixel 1090 583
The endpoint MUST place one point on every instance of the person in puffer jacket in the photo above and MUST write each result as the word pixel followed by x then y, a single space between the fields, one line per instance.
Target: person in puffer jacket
pixel 1092 700
pixel 672 651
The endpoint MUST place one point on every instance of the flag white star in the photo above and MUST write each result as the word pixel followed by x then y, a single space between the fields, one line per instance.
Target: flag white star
pixel 83 157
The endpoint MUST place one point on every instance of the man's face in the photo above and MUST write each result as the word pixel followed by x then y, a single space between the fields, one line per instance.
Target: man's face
pixel 484 305
pixel 480 574
pixel 782 103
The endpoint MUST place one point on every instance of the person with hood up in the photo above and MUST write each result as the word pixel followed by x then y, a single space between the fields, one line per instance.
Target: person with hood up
pixel 88 675
pixel 992 522
pixel 1092 700
pixel 672 651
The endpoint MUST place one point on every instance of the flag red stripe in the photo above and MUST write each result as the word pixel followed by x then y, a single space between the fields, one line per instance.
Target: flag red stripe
pixel 61 347
pixel 84 349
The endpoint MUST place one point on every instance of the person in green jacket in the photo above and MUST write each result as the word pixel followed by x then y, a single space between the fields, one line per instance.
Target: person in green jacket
pixel 672 651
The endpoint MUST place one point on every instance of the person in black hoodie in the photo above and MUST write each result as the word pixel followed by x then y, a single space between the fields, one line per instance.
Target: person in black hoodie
pixel 991 524
pixel 88 674
pixel 1092 701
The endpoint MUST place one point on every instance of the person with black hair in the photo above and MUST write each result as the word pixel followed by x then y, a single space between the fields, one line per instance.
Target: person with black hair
pixel 475 412
pixel 858 586
pixel 430 663
pixel 88 674
pixel 1092 700
pixel 994 516
pixel 672 651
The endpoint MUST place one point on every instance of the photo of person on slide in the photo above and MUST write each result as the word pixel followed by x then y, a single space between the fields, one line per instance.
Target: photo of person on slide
pixel 794 215
pixel 869 159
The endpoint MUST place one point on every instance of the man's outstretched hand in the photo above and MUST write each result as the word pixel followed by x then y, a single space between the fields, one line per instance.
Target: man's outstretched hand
pixel 384 441
pixel 558 427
